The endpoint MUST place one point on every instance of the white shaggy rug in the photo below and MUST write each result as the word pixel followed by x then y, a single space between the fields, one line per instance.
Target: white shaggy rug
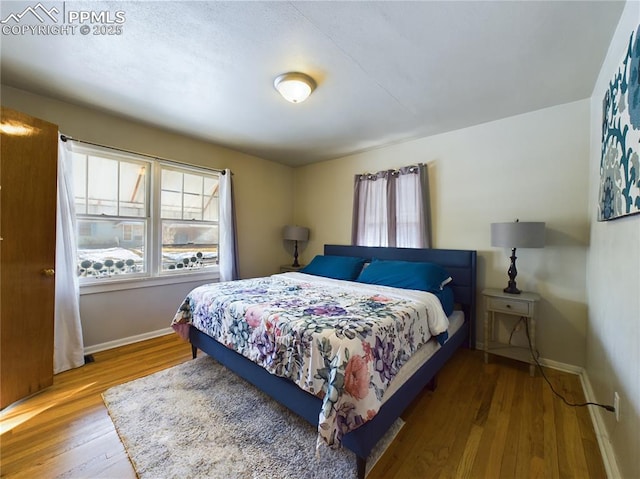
pixel 200 420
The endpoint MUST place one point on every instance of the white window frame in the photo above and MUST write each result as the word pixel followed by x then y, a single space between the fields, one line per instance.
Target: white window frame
pixel 153 275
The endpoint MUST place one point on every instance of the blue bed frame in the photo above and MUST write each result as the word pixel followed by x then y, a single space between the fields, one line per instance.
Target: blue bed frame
pixel 462 266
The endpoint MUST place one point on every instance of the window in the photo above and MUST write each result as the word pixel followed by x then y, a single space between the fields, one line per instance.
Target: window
pixel 391 208
pixel 189 217
pixel 138 217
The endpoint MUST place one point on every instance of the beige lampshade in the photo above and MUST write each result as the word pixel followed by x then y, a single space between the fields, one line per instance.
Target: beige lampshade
pixel 295 233
pixel 518 234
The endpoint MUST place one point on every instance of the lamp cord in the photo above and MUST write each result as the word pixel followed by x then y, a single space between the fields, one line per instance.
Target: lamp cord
pixel 515 328
pixel 535 354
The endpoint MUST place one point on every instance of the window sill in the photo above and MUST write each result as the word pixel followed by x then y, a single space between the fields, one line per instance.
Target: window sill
pixel 106 285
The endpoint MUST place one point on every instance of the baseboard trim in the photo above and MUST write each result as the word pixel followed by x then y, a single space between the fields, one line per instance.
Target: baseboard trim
pixel 564 367
pixel 124 341
pixel 606 451
pixel 549 363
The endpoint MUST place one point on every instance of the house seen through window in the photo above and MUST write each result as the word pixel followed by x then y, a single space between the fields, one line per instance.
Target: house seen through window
pixel 138 217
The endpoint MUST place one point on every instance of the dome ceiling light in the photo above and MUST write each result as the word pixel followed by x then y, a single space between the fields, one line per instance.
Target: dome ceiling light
pixel 294 86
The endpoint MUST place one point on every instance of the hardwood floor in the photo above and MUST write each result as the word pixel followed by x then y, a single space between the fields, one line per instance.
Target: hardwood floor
pixel 65 431
pixel 483 421
pixel 494 421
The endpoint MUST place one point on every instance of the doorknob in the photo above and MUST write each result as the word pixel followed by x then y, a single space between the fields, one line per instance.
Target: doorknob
pixel 48 272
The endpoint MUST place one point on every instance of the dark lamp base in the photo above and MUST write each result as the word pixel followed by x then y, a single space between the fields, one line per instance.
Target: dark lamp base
pixel 295 255
pixel 513 272
pixel 511 289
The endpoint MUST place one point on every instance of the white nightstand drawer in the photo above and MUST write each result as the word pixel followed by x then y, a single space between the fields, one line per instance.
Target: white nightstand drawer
pixel 509 306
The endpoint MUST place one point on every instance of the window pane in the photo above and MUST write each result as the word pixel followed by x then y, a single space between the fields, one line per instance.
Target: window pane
pixel 188 246
pixel 192 184
pixel 192 197
pixel 171 194
pixel 133 184
pixel 210 212
pixel 110 247
pixel 192 207
pixel 102 186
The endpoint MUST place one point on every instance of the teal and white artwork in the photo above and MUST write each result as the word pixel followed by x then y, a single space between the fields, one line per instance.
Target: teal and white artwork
pixel 620 161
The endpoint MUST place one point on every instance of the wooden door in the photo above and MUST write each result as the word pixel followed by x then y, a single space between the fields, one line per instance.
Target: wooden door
pixel 28 171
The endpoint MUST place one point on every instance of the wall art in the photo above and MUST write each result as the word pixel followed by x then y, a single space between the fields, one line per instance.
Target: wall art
pixel 620 158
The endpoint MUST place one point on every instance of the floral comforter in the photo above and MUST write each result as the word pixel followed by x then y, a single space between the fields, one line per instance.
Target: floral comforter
pixel 341 341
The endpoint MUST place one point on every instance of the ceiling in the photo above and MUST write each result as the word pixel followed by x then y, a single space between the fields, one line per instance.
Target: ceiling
pixel 386 71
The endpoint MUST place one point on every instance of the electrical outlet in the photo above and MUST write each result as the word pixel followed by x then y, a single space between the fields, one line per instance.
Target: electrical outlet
pixel 616 405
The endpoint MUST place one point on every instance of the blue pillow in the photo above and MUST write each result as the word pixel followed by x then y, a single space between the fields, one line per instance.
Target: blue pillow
pixel 336 267
pixel 405 274
pixel 445 295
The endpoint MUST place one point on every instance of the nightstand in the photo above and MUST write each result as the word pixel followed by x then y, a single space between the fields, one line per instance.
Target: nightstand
pixel 500 305
pixel 285 268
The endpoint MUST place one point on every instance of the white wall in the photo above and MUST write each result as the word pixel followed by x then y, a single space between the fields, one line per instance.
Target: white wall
pixel 613 287
pixel 263 193
pixel 533 167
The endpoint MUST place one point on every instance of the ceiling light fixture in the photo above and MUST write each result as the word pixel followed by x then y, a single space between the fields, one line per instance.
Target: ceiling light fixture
pixel 294 86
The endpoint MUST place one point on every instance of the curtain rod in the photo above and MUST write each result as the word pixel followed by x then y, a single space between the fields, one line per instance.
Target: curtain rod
pixel 68 138
pixel 394 171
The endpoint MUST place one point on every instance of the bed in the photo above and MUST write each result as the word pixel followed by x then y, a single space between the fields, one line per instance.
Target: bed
pixel 389 394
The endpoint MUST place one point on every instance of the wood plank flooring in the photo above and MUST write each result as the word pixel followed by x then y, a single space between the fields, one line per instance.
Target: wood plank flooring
pixel 482 421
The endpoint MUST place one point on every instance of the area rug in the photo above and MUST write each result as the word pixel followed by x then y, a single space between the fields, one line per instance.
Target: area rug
pixel 200 420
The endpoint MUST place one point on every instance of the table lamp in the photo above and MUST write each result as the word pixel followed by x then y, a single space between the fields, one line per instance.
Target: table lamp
pixel 295 234
pixel 518 234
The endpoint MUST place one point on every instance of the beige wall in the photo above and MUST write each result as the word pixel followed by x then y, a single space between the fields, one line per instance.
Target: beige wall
pixel 613 279
pixel 533 167
pixel 263 193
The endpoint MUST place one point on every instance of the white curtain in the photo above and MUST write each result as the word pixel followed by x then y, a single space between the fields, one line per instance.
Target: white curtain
pixel 68 351
pixel 372 210
pixel 227 246
pixel 391 208
pixel 410 218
